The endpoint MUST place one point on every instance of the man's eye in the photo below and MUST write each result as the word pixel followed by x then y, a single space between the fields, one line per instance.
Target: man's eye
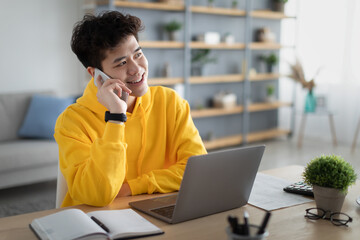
pixel 138 54
pixel 121 64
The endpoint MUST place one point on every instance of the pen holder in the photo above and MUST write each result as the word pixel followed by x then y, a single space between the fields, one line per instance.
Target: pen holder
pixel 252 236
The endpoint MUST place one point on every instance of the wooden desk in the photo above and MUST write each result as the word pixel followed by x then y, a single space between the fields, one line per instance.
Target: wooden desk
pixel 287 223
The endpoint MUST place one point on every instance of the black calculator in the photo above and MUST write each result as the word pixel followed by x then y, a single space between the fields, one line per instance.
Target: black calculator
pixel 300 188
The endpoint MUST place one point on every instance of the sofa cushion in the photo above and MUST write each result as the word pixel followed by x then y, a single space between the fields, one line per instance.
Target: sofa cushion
pixel 41 116
pixel 13 107
pixel 23 154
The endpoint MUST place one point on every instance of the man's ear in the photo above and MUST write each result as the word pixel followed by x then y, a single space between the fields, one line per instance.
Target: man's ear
pixel 91 71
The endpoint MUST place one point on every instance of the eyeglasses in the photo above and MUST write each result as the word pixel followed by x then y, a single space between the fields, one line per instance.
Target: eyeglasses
pixel 336 218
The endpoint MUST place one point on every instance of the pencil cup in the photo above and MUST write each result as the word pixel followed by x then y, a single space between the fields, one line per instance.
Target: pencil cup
pixel 252 236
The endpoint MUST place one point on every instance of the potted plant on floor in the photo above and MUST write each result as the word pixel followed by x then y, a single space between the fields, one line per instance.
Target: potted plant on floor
pixel 171 28
pixel 330 177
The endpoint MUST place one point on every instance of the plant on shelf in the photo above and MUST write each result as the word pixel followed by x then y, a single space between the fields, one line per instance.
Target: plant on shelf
pixel 279 5
pixel 171 28
pixel 330 177
pixel 270 60
pixel 199 58
pixel 270 93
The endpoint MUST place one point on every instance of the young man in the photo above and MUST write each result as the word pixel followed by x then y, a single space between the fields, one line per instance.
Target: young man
pixel 104 156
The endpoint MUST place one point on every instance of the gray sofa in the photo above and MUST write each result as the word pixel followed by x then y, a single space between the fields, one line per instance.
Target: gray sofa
pixel 23 161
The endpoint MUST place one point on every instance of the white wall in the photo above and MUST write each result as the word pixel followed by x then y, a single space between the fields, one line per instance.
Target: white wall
pixel 35 51
pixel 329 37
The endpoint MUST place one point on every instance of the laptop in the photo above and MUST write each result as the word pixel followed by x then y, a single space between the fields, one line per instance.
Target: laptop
pixel 212 183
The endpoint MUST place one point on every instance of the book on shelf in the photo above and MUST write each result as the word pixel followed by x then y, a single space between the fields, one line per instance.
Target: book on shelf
pixel 106 224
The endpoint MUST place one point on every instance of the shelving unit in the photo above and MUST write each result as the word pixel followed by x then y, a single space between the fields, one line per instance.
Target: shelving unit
pixel 241 79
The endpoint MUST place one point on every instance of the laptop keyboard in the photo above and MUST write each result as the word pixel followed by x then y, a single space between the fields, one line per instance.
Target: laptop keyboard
pixel 165 211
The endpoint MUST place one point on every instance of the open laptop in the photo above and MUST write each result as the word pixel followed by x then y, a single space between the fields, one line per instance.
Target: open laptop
pixel 212 183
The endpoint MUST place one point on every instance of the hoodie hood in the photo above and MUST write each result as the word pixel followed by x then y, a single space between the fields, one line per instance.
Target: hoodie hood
pixel 89 100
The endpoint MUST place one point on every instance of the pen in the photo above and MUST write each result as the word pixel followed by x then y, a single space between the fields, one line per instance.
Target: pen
pixel 264 223
pixel 233 224
pixel 246 223
pixel 100 224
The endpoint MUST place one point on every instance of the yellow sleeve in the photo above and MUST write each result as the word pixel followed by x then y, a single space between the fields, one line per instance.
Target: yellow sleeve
pixel 94 169
pixel 184 142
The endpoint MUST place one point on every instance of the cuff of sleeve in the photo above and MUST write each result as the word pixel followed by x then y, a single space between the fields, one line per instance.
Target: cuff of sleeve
pixel 114 132
pixel 138 185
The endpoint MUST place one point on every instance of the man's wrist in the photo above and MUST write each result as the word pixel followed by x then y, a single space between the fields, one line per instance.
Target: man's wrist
pixel 120 117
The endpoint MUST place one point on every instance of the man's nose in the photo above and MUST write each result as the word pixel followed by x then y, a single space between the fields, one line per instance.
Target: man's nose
pixel 134 68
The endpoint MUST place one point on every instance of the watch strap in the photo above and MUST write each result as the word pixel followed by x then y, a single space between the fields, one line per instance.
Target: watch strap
pixel 115 116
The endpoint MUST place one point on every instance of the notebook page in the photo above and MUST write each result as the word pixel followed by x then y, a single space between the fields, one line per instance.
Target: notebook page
pixel 67 224
pixel 125 222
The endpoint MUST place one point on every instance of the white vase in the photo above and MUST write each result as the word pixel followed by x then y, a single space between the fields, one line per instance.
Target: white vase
pixel 328 199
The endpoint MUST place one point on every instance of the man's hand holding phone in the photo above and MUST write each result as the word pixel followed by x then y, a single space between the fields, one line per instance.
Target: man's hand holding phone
pixel 112 93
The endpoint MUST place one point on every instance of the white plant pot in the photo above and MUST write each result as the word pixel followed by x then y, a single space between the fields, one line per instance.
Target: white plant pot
pixel 328 199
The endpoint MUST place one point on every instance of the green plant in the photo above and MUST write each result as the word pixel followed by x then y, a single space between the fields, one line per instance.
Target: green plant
pixel 281 1
pixel 330 171
pixel 270 59
pixel 201 56
pixel 270 90
pixel 173 26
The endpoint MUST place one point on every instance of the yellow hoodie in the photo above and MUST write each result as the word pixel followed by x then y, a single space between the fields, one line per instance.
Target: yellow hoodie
pixel 149 151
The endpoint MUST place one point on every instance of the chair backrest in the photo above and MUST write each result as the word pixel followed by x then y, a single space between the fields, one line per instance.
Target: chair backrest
pixel 61 188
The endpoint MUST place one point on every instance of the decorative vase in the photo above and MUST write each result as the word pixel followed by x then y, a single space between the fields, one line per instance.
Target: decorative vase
pixel 310 102
pixel 328 199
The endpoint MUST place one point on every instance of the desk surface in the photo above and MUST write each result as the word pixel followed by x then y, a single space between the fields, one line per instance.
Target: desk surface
pixel 287 223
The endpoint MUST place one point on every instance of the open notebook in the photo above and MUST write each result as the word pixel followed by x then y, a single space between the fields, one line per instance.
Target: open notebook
pixel 75 224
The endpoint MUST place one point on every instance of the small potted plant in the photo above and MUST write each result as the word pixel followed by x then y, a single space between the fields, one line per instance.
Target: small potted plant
pixel 270 61
pixel 199 58
pixel 279 5
pixel 270 93
pixel 171 28
pixel 330 177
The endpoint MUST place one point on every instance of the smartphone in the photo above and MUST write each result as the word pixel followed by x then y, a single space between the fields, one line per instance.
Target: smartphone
pixel 104 77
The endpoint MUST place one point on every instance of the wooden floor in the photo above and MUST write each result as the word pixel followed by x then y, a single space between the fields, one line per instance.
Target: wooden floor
pixel 278 153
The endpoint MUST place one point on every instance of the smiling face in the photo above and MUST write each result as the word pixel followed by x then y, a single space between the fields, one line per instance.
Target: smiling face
pixel 128 63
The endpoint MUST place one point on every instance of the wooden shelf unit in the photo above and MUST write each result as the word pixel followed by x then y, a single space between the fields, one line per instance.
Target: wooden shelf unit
pixel 216 79
pixel 202 45
pixel 251 137
pixel 264 46
pixel 224 142
pixel 165 81
pixel 256 107
pixel 145 5
pixel 162 44
pixel 268 14
pixel 217 11
pixel 229 78
pixel 212 112
pixel 267 134
pixel 264 76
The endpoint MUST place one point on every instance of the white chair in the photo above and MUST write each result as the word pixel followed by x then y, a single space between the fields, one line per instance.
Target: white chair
pixel 61 188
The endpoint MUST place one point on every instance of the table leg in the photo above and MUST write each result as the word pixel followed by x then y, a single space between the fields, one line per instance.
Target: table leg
pixel 301 130
pixel 355 137
pixel 332 128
